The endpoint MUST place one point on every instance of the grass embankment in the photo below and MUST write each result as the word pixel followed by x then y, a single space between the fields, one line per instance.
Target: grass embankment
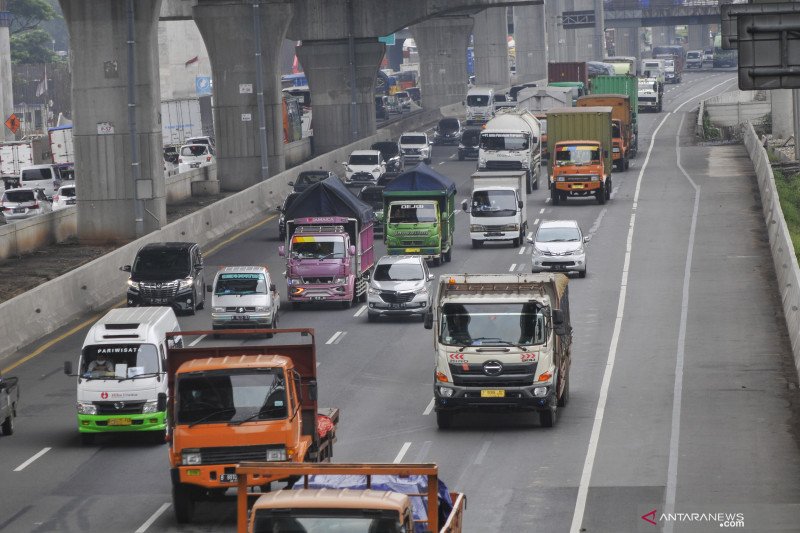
pixel 789 194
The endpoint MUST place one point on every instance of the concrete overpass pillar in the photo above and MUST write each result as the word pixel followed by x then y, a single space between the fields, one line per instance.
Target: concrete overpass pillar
pixel 530 35
pixel 663 35
pixel 698 37
pixel 490 41
pixel 584 41
pixel 326 64
pixel 442 46
pixel 227 29
pixel 6 92
pixel 102 132
pixel 781 108
pixel 556 37
pixel 628 42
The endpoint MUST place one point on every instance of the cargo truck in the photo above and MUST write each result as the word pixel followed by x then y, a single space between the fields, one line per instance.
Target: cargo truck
pixel 479 105
pixel 9 400
pixel 624 65
pixel 329 245
pixel 579 140
pixel 419 208
pixel 497 207
pixel 183 118
pixel 62 150
pixel 576 71
pixel 623 84
pixel 16 155
pixel 502 342
pixel 512 141
pixel 650 95
pixel 373 497
pixel 622 137
pixel 236 403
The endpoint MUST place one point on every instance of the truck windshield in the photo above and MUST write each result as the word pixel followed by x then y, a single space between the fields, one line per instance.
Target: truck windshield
pixel 240 284
pixel 225 396
pixel 327 521
pixel 577 155
pixel 412 213
pixel 492 324
pixel 504 141
pixel 478 100
pixel 103 361
pixel 494 203
pixel 308 247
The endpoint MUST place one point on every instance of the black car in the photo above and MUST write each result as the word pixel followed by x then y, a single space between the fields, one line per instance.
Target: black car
pixel 169 273
pixel 414 93
pixel 468 145
pixel 372 195
pixel 282 219
pixel 390 152
pixel 380 109
pixel 307 178
pixel 448 131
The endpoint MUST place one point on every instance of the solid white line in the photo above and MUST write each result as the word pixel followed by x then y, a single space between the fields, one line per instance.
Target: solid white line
pixel 198 339
pixel 402 452
pixel 521 251
pixel 541 210
pixel 143 528
pixel 32 459
pixel 453 156
pixel 361 311
pixel 513 266
pixel 428 409
pixel 677 393
pixel 482 452
pixel 333 338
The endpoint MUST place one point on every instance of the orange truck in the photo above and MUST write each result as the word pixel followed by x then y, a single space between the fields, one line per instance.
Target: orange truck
pixel 623 142
pixel 579 142
pixel 236 403
pixel 372 508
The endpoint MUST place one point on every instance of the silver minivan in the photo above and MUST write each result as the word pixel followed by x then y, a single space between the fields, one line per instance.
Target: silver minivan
pixel 244 297
pixel 400 285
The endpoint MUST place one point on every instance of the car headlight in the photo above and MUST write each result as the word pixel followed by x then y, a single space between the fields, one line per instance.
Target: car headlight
pixel 261 309
pixel 217 309
pixel 536 251
pixel 476 228
pixel 150 407
pixel 87 408
pixel 595 178
pixel 376 169
pixel 373 290
pixel 186 283
pixel 511 227
pixel 276 454
pixel 133 285
pixel 446 392
pixel 191 457
pixel 540 392
pixel 340 280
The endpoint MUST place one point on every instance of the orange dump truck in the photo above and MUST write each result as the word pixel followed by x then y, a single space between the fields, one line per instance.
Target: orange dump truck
pixel 623 141
pixel 378 507
pixel 236 403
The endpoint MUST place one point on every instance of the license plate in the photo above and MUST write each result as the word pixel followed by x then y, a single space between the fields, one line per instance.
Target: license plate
pixel 317 298
pixel 578 186
pixel 228 478
pixel 397 306
pixel 493 234
pixel 493 393
pixel 412 250
pixel 195 165
pixel 119 422
pixel 19 209
pixel 242 317
pixel 70 202
pixel 159 300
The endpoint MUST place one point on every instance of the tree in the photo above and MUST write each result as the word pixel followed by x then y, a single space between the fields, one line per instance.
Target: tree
pixel 26 15
pixel 32 46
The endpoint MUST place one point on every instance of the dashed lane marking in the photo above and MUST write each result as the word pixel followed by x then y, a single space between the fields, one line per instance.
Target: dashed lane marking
pixel 143 527
pixel 32 459
pixel 512 267
pixel 361 311
pixel 402 452
pixel 333 337
pixel 428 409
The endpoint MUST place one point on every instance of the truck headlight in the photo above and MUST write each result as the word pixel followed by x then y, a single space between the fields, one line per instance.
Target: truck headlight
pixel 292 281
pixel 560 178
pixel 217 309
pixel 261 309
pixel 446 392
pixel 511 227
pixel 150 407
pixel 85 408
pixel 276 454
pixel 540 392
pixel 615 150
pixel 339 281
pixel 476 228
pixel 134 285
pixel 191 457
pixel 595 178
pixel 186 283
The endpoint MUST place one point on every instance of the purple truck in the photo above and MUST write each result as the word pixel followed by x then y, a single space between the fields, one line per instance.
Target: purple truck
pixel 329 245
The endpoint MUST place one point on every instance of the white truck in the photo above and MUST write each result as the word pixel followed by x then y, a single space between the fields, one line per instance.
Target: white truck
pixel 512 141
pixel 62 150
pixel 497 207
pixel 480 105
pixel 502 342
pixel 14 156
pixel 650 97
pixel 184 118
pixel 539 99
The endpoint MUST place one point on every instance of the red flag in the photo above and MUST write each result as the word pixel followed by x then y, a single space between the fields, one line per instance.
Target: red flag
pixel 195 59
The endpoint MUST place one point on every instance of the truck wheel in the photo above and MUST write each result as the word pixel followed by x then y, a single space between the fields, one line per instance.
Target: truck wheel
pixel 159 437
pixel 8 425
pixel 609 187
pixel 554 196
pixel 460 155
pixel 476 243
pixel 601 194
pixel 444 420
pixel 528 185
pixel 348 304
pixel 562 402
pixel 515 243
pixel 183 502
pixel 548 418
pixel 448 256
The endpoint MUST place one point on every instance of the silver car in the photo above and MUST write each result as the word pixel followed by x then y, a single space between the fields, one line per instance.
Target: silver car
pixel 18 204
pixel 400 285
pixel 558 246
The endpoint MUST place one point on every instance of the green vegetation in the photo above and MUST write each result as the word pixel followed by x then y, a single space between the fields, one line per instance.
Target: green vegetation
pixel 710 132
pixel 29 42
pixel 789 195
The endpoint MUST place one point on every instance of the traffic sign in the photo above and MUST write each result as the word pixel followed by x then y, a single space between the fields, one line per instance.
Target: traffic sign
pixel 13 123
pixel 388 40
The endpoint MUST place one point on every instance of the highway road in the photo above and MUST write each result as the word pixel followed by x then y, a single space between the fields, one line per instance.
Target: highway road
pixel 682 396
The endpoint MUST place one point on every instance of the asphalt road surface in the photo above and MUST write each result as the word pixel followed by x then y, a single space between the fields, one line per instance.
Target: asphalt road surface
pixel 683 396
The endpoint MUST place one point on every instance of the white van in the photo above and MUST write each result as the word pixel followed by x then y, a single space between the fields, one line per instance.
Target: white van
pixel 122 382
pixel 480 105
pixel 244 297
pixel 44 177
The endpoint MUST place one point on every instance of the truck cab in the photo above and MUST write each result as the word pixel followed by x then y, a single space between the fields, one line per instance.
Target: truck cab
pixel 650 95
pixel 578 171
pixel 414 225
pixel 497 208
pixel 512 141
pixel 480 105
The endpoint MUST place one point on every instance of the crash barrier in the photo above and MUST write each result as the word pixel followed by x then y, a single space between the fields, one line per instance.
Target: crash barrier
pixel 780 242
pixel 737 107
pixel 89 288
pixel 27 236
pixel 699 131
pixel 179 186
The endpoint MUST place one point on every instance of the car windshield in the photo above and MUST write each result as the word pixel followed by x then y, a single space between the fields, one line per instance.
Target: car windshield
pixel 67 191
pixel 494 203
pixel 402 94
pixel 556 234
pixel 448 126
pixel 118 361
pixel 195 150
pixel 309 179
pixel 478 100
pixel 360 159
pixel 387 150
pixel 413 139
pixel 470 137
pixel 492 324
pixel 162 263
pixel 240 284
pixel 18 196
pixel 693 55
pixel 326 521
pixel 398 272
pixel 504 141
pixel 317 247
pixel 577 155
pixel 36 174
pixel 230 396
pixel 412 213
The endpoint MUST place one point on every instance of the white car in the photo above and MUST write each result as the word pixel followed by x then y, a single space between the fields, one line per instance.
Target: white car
pixel 364 166
pixel 694 59
pixel 558 246
pixel 244 297
pixel 400 285
pixel 205 139
pixel 404 98
pixel 192 156
pixel 415 147
pixel 18 204
pixel 64 196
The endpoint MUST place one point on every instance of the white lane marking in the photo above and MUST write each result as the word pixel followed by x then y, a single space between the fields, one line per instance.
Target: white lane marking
pixel 482 452
pixel 457 211
pixel 588 465
pixel 441 162
pixel 530 233
pixel 423 452
pixel 512 267
pixel 702 93
pixel 402 452
pixel 143 528
pixel 547 200
pixel 453 156
pixel 596 224
pixel 677 394
pixel 32 459
pixel 339 339
pixel 521 251
pixel 541 210
pixel 428 409
pixel 361 311
pixel 521 267
pixel 614 192
pixel 333 338
pixel 198 339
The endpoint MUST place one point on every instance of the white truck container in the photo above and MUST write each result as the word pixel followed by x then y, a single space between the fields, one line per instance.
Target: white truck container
pixel 540 99
pixel 497 207
pixel 512 141
pixel 62 148
pixel 184 118
pixel 14 156
pixel 480 105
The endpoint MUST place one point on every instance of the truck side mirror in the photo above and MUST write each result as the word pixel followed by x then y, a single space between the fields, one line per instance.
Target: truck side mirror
pixel 161 404
pixel 519 204
pixel 290 184
pixel 586 238
pixel 209 288
pixel 430 277
pixel 68 368
pixel 312 390
pixel 428 320
pixel 558 317
pixel 465 205
pixel 282 250
pixel 352 250
pixel 126 268
pixel 272 287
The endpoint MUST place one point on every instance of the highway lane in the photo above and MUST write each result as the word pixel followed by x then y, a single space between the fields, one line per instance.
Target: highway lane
pixel 518 477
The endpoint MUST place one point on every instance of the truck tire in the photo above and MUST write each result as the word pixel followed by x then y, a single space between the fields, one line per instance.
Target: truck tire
pixel 8 425
pixel 609 187
pixel 549 417
pixel 554 196
pixel 601 194
pixel 183 502
pixel 536 181
pixel 476 243
pixel 460 155
pixel 562 402
pixel 528 185
pixel 515 242
pixel 447 257
pixel 444 419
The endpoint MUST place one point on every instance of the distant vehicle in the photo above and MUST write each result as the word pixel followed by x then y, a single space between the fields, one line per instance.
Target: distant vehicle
pixel 414 93
pixel 44 177
pixel 404 99
pixel 694 59
pixel 480 105
pixel 400 285
pixel 282 219
pixel 244 297
pixel 448 131
pixel 18 204
pixel 184 118
pixel 171 154
pixel 708 56
pixel 558 246
pixel 194 156
pixel 364 166
pixel 469 144
pixel 597 68
pixel 392 105
pixel 503 101
pixel 9 399
pixel 204 139
pixel 380 108
pixel 307 178
pixel 415 147
pixel 64 196
pixel 390 152
pixel 372 195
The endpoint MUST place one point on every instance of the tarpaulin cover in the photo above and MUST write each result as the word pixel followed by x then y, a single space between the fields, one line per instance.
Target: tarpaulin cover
pixel 421 178
pixel 403 485
pixel 329 198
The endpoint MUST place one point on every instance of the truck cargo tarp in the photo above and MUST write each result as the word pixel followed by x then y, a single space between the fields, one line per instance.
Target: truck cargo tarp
pixel 415 484
pixel 421 178
pixel 329 198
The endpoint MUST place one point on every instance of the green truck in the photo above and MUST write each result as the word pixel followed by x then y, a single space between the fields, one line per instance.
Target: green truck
pixel 419 214
pixel 625 84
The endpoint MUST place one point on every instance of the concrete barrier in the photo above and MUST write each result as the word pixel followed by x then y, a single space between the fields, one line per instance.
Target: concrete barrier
pixel 735 108
pixel 27 236
pixel 179 186
pixel 780 242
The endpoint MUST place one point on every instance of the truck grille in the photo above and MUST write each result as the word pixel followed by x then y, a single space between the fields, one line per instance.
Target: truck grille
pixel 421 233
pixel 240 309
pixel 578 178
pixel 148 291
pixel 504 165
pixel 647 99
pixel 119 408
pixel 512 375
pixel 234 454
pixel 494 228
pixel 323 279
pixel 392 297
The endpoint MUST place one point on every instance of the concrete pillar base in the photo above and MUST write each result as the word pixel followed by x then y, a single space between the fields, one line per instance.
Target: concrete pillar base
pixel 530 36
pixel 205 188
pixel 326 64
pixel 442 45
pixel 490 41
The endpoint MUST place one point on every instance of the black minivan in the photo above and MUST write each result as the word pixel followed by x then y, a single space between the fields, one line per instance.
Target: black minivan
pixel 168 273
pixel 468 145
